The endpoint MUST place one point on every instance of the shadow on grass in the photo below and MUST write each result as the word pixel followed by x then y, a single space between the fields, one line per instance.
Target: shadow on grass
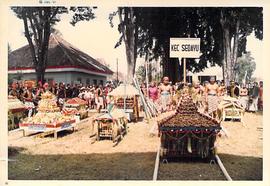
pixel 243 167
pixel 13 151
pixel 116 166
pixel 238 167
pixel 127 166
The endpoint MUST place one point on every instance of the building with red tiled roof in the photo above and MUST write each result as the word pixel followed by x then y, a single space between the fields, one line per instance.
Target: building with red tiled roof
pixel 66 64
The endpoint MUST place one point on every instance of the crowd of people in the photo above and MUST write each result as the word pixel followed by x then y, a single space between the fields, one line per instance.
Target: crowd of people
pixel 29 94
pixel 165 95
pixel 206 95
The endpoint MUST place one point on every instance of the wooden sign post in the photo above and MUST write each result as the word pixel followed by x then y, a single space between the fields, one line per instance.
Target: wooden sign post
pixel 185 48
pixel 184 70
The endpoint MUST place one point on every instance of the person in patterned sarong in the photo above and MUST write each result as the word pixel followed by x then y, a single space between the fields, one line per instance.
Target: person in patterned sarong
pixel 165 92
pixel 211 95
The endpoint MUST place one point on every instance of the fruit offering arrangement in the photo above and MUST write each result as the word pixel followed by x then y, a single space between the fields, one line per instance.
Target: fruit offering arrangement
pixel 76 101
pixel 69 111
pixel 48 112
pixel 47 95
pixel 48 103
pixel 187 115
pixel 74 106
pixel 47 118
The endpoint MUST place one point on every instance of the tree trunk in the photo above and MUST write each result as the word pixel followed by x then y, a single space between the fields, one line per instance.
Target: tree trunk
pixel 227 64
pixel 39 51
pixel 235 49
pixel 131 61
pixel 228 67
pixel 129 30
pixel 40 74
pixel 150 69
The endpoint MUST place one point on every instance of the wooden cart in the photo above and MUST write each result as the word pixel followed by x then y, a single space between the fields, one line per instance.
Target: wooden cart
pixel 188 133
pixel 125 97
pixel 230 108
pixel 107 127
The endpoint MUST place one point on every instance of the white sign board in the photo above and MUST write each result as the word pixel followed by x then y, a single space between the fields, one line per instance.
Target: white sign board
pixel 185 47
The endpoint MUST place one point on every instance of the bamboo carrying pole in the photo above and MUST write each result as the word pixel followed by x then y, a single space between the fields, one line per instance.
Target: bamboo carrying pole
pixel 223 168
pixel 156 164
pixel 147 112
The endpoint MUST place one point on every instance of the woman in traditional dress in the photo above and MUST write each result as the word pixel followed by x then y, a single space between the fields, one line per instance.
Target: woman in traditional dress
pixel 211 95
pixel 165 90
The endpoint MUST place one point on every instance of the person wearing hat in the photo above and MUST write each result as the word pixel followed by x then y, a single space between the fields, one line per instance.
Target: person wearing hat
pixel 211 95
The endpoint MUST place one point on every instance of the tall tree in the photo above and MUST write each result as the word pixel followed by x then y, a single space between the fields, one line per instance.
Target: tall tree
pixel 223 33
pixel 129 31
pixel 237 24
pixel 38 25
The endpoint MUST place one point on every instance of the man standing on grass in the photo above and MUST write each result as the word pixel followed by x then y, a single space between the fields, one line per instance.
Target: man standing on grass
pixel 255 96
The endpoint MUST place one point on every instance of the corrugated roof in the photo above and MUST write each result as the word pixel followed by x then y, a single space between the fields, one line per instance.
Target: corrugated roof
pixel 60 53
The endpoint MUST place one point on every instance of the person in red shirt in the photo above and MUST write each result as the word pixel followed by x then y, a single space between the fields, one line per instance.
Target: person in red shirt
pixel 153 92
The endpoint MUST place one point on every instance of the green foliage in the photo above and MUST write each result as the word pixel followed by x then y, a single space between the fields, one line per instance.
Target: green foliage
pixel 82 14
pixel 157 24
pixel 245 66
pixel 140 73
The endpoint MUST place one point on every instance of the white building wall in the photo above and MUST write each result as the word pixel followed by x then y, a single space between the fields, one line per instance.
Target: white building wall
pixel 77 76
pixel 67 77
pixel 210 71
